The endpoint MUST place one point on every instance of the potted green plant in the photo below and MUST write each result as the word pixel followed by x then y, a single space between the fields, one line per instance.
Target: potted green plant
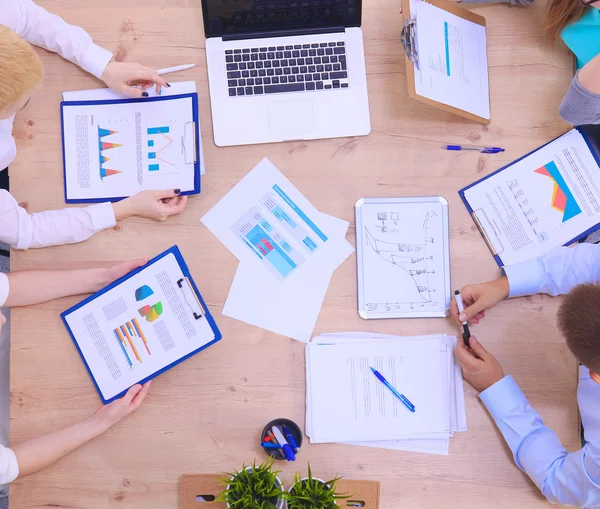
pixel 253 487
pixel 313 493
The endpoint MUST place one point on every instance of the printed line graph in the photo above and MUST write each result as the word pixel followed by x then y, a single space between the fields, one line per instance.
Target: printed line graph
pixel 412 258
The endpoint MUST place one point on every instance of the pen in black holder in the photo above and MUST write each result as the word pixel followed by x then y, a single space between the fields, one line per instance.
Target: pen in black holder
pixel 281 439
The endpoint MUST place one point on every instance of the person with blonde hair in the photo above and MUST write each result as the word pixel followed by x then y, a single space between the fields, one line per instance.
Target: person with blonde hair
pixel 21 76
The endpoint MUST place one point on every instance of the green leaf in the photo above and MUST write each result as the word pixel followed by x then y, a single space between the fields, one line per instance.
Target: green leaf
pixel 311 493
pixel 254 487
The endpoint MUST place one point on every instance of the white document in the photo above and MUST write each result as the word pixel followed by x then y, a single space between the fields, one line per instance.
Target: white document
pixel 453 66
pixel 357 407
pixel 543 201
pixel 106 94
pixel 274 231
pixel 116 150
pixel 293 315
pixel 138 328
pixel 404 259
pixel 454 391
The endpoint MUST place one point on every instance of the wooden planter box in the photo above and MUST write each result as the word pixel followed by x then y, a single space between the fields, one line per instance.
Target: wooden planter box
pixel 365 494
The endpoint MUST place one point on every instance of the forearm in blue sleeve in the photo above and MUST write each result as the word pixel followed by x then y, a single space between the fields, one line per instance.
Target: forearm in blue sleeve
pixel 556 272
pixel 562 477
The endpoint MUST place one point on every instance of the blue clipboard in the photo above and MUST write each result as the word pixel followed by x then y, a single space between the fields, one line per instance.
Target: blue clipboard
pixel 591 135
pixel 198 140
pixel 184 269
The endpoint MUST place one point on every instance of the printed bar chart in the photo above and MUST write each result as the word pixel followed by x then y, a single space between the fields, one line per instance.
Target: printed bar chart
pixel 158 130
pixel 158 145
pixel 127 334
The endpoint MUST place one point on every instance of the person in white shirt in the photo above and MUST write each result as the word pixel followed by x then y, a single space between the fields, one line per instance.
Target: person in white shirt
pixel 30 287
pixel 21 76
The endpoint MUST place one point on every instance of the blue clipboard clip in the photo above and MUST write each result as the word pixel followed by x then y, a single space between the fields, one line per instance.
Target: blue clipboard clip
pixel 191 298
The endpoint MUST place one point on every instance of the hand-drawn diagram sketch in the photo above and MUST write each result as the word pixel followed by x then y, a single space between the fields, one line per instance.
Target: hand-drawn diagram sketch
pixel 404 258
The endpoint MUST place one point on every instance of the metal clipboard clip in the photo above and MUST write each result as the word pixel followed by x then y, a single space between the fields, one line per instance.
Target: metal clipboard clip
pixel 488 232
pixel 190 143
pixel 408 37
pixel 191 298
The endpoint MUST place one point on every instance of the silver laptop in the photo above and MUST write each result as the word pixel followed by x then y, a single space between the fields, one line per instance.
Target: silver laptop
pixel 284 70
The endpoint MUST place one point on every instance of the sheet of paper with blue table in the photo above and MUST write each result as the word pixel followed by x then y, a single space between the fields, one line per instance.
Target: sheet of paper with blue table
pixel 273 230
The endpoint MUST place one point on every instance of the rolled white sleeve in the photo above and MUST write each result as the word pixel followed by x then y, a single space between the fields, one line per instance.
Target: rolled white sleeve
pixel 53 227
pixel 4 289
pixel 9 467
pixel 39 27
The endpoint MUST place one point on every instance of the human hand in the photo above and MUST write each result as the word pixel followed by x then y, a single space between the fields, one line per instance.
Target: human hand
pixel 480 368
pixel 478 298
pixel 151 204
pixel 124 76
pixel 2 321
pixel 113 413
pixel 110 274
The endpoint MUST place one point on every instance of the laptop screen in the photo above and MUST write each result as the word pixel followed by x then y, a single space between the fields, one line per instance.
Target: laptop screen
pixel 244 17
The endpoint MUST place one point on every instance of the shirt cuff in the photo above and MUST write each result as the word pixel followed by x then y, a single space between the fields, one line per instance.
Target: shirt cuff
pixel 95 60
pixel 4 288
pixel 524 278
pixel 12 466
pixel 503 397
pixel 103 216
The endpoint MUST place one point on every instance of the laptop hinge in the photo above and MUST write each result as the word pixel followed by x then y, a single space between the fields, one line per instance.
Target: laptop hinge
pixel 283 33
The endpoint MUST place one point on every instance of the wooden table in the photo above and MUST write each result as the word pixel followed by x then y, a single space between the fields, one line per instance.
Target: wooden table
pixel 205 415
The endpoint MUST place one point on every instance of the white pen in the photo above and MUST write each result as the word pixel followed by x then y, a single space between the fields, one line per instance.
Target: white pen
pixel 168 70
pixel 466 332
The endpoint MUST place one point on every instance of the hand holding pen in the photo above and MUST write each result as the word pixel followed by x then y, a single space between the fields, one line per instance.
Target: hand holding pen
pixel 479 298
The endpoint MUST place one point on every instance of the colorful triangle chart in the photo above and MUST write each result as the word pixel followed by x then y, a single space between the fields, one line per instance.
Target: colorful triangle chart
pixel 104 145
pixel 105 132
pixel 108 173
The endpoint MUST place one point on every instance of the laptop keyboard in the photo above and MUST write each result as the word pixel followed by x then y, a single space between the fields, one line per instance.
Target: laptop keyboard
pixel 293 68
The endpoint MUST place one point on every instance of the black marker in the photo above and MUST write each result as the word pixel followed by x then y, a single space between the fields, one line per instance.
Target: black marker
pixel 466 335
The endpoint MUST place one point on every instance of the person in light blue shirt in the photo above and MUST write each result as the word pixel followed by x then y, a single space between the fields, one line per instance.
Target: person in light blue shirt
pixel 563 477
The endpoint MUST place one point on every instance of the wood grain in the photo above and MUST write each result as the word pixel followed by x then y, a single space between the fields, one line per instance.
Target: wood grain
pixel 205 415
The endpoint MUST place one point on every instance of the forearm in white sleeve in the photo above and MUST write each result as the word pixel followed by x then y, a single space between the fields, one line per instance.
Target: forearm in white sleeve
pixel 22 230
pixel 39 27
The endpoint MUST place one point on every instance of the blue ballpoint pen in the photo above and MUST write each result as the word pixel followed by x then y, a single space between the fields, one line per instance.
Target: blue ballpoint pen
pixel 483 150
pixel 267 445
pixel 401 397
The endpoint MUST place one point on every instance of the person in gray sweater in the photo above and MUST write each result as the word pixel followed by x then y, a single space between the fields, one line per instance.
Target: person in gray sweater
pixel 581 103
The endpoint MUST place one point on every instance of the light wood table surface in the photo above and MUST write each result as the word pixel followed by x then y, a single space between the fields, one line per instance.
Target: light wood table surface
pixel 205 415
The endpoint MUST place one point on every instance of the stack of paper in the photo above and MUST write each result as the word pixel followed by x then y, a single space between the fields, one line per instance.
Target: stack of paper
pixel 346 403
pixel 287 250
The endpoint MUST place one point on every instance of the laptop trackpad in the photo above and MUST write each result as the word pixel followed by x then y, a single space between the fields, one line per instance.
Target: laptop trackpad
pixel 290 118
